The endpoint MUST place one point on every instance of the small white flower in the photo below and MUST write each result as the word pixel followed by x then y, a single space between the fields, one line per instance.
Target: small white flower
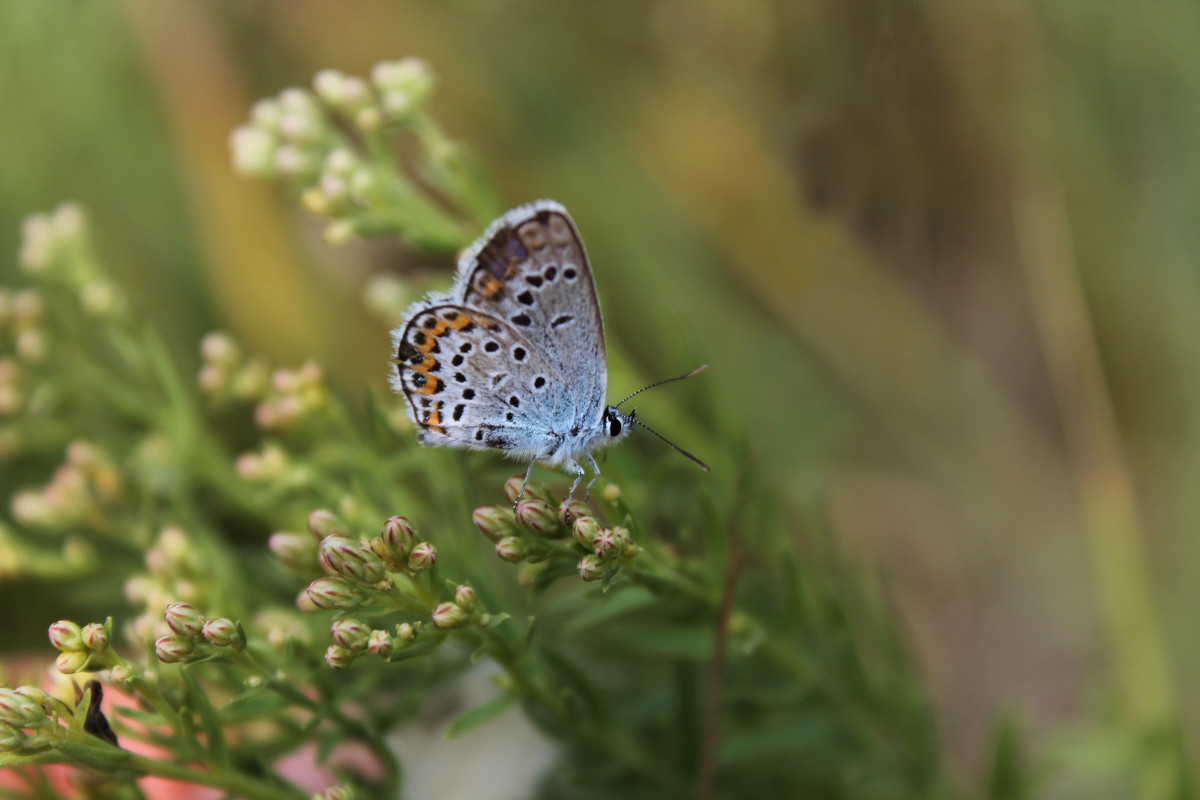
pixel 253 150
pixel 266 113
pixel 328 85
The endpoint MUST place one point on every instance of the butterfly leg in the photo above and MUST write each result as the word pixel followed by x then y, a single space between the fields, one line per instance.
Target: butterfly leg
pixel 579 473
pixel 524 483
pixel 595 477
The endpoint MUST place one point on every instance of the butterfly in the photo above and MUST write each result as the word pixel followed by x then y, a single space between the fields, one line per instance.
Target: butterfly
pixel 513 358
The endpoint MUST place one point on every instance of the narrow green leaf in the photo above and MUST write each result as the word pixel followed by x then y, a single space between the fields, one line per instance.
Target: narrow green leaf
pixel 480 714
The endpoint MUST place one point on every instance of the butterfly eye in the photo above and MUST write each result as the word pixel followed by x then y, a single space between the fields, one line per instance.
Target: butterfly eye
pixel 614 425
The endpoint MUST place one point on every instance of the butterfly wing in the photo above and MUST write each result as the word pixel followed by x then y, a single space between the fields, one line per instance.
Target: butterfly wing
pixel 530 271
pixel 472 381
pixel 513 358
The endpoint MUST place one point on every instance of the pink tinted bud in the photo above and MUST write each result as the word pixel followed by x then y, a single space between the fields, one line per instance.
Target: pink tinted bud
pixel 448 616
pixel 422 557
pixel 65 635
pixel 495 522
pixel 539 518
pixel 584 530
pixel 591 568
pixel 513 486
pixel 350 559
pixel 174 649
pixel 464 597
pixel 398 534
pixel 94 637
pixel 511 549
pixel 571 510
pixel 338 657
pixel 335 593
pixel 21 711
pixel 223 632
pixel 71 661
pixel 294 550
pixel 380 643
pixel 185 620
pixel 324 522
pixel 350 634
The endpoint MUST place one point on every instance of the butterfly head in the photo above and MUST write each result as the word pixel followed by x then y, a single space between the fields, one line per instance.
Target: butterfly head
pixel 616 424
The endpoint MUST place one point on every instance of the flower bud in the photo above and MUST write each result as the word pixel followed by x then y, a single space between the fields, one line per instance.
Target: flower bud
pixel 464 597
pixel 405 632
pixel 219 349
pixel 447 616
pixel 585 529
pixel 621 540
pixel 185 620
pixel 338 657
pixel 539 518
pixel 293 550
pixel 591 568
pixel 351 559
pixel 511 549
pixel 422 557
pixel 380 643
pixel 71 661
pixel 21 711
pixel 604 543
pixel 513 487
pixel 94 637
pixel 495 522
pixel 611 493
pixel 400 536
pixel 350 634
pixel 174 649
pixel 11 738
pixel 224 632
pixel 571 510
pixel 65 635
pixel 323 522
pixel 335 593
pixel 121 675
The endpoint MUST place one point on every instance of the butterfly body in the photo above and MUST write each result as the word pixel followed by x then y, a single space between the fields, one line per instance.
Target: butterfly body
pixel 512 359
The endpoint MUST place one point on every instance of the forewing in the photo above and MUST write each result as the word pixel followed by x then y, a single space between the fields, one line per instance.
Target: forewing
pixel 531 272
pixel 473 381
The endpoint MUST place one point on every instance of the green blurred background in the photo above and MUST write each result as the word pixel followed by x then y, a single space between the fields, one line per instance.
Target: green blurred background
pixel 940 257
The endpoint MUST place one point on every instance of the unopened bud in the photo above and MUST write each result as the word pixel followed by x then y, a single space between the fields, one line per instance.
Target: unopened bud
pixel 539 518
pixel 591 568
pixel 351 559
pixel 185 620
pixel 338 657
pixel 571 510
pixel 400 536
pixel 495 522
pixel 422 557
pixel 464 597
pixel 511 549
pixel 513 487
pixel 65 635
pixel 380 643
pixel 293 550
pixel 174 649
pixel 121 675
pixel 405 632
pixel 335 593
pixel 71 661
pixel 94 637
pixel 447 616
pixel 584 530
pixel 324 522
pixel 350 634
pixel 224 632
pixel 21 711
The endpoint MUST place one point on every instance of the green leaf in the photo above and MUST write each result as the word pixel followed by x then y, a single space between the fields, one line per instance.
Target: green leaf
pixel 480 714
pixel 610 606
pixel 210 719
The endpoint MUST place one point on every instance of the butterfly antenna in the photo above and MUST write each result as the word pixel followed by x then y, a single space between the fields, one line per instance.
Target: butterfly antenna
pixel 633 418
pixel 696 371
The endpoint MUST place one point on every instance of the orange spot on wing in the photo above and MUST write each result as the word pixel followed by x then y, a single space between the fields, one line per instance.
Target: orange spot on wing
pixel 490 285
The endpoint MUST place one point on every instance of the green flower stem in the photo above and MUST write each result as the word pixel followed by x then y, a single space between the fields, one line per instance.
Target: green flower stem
pixel 149 692
pixel 352 727
pixel 451 172
pixel 234 784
